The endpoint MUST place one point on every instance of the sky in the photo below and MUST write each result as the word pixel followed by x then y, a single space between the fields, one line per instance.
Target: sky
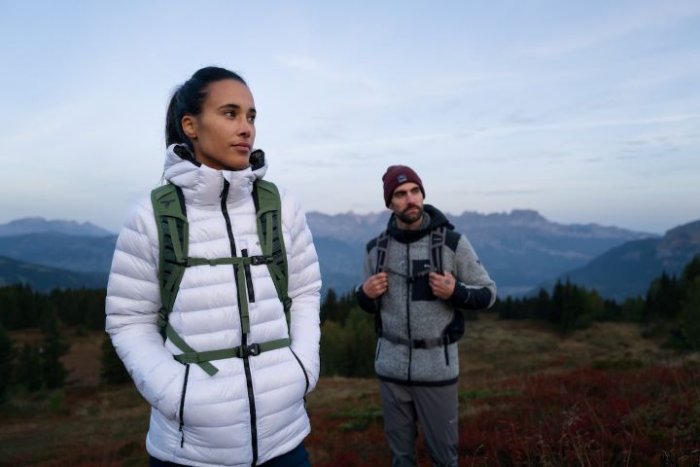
pixel 587 112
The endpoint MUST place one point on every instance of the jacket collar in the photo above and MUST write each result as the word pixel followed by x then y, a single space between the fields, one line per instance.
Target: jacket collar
pixel 433 219
pixel 202 185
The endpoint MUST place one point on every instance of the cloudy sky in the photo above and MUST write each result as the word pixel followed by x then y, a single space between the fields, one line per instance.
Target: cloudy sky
pixel 584 111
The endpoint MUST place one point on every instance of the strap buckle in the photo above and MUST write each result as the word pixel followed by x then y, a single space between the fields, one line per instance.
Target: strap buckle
pixel 419 344
pixel 258 260
pixel 251 350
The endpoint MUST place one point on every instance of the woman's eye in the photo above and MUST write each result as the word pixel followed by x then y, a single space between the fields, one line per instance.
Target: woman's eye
pixel 251 119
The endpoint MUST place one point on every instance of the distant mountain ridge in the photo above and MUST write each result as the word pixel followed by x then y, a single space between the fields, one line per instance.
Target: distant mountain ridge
pixel 45 278
pixel 78 253
pixel 517 248
pixel 520 249
pixel 627 270
pixel 30 225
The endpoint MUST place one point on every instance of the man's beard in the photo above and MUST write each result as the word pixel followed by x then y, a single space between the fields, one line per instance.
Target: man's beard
pixel 409 218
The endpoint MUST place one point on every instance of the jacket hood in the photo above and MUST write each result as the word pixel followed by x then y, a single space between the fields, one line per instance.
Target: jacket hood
pixel 203 185
pixel 433 219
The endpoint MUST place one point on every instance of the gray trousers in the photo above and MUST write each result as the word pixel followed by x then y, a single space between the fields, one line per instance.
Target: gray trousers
pixel 435 408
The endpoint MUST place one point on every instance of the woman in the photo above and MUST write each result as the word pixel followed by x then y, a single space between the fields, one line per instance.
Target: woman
pixel 231 401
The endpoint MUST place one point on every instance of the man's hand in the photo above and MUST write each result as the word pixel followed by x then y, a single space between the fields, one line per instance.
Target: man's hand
pixel 443 285
pixel 375 286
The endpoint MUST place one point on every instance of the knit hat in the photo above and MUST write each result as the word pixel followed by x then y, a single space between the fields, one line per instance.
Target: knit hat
pixel 398 175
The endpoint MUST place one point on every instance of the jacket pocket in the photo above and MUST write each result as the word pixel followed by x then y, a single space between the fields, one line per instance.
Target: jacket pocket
pixel 303 370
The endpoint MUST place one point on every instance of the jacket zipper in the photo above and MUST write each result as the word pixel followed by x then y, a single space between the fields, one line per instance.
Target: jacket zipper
pixel 409 285
pixel 244 337
pixel 182 404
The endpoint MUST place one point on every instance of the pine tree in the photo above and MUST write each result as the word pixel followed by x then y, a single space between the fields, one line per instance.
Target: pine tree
pixel 690 315
pixel 52 349
pixel 329 307
pixel 6 360
pixel 112 369
pixel 28 370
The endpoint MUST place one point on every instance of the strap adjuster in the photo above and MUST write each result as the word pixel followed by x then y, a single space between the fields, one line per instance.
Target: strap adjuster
pixel 258 260
pixel 251 350
pixel 419 344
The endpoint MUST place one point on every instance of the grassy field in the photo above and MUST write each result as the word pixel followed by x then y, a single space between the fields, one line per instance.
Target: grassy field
pixel 602 396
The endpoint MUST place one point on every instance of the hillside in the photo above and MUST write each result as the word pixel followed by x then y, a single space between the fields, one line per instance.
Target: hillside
pixel 78 253
pixel 45 278
pixel 521 387
pixel 627 270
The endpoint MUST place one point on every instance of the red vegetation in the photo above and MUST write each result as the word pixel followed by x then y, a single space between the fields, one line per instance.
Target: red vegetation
pixel 588 417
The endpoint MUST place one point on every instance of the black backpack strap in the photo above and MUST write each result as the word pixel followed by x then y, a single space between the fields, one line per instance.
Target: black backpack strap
pixel 437 242
pixel 382 244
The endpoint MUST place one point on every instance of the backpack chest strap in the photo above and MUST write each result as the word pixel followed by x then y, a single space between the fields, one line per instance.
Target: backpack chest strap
pixel 189 355
pixel 417 343
pixel 235 260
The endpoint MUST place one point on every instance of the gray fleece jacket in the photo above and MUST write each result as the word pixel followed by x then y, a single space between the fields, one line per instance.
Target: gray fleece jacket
pixel 418 332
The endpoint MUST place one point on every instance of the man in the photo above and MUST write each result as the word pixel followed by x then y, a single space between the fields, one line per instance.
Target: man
pixel 419 275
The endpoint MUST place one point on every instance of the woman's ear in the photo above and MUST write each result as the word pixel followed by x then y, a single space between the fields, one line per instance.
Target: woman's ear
pixel 189 126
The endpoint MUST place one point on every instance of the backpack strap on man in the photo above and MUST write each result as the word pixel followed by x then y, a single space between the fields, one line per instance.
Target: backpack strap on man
pixel 382 244
pixel 438 239
pixel 437 242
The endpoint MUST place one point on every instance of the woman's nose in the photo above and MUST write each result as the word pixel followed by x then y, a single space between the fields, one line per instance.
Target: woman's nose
pixel 245 128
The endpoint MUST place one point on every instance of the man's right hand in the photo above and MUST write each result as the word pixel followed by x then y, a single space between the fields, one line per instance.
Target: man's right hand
pixel 375 286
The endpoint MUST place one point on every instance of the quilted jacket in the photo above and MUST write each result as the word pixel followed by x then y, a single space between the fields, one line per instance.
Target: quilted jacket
pixel 252 409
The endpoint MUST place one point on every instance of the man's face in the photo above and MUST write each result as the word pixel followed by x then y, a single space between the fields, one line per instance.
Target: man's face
pixel 407 204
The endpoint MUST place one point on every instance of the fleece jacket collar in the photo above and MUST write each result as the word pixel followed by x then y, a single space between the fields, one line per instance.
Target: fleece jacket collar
pixel 435 219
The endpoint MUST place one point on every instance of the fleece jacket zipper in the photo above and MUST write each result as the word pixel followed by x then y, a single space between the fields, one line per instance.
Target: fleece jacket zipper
pixel 244 337
pixel 409 284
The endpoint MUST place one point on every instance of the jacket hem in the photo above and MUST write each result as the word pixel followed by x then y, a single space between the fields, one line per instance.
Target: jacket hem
pixel 404 382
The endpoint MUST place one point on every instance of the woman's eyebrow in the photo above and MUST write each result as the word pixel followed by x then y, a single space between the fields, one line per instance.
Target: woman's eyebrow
pixel 230 107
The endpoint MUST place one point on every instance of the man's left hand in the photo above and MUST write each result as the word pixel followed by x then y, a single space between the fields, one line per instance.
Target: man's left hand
pixel 443 285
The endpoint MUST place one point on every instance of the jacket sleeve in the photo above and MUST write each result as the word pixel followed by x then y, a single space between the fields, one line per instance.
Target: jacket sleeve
pixel 366 303
pixel 304 290
pixel 475 290
pixel 133 301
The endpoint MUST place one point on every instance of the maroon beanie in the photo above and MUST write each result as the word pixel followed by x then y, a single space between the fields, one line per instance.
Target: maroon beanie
pixel 398 175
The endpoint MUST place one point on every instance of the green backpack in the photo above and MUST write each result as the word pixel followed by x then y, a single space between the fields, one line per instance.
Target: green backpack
pixel 173 236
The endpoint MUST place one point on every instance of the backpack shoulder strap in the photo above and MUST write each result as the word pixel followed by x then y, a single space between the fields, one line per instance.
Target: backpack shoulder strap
pixel 437 242
pixel 268 211
pixel 173 235
pixel 382 242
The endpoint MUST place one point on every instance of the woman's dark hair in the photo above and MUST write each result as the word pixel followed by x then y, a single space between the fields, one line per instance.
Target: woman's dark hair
pixel 188 99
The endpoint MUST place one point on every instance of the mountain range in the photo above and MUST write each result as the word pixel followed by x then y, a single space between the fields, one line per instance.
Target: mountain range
pixel 46 278
pixel 521 249
pixel 627 270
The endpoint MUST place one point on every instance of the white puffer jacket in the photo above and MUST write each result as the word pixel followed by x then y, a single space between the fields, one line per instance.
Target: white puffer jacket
pixel 234 417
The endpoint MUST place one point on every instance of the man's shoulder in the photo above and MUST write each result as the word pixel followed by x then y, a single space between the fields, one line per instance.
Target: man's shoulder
pixel 452 238
pixel 372 244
